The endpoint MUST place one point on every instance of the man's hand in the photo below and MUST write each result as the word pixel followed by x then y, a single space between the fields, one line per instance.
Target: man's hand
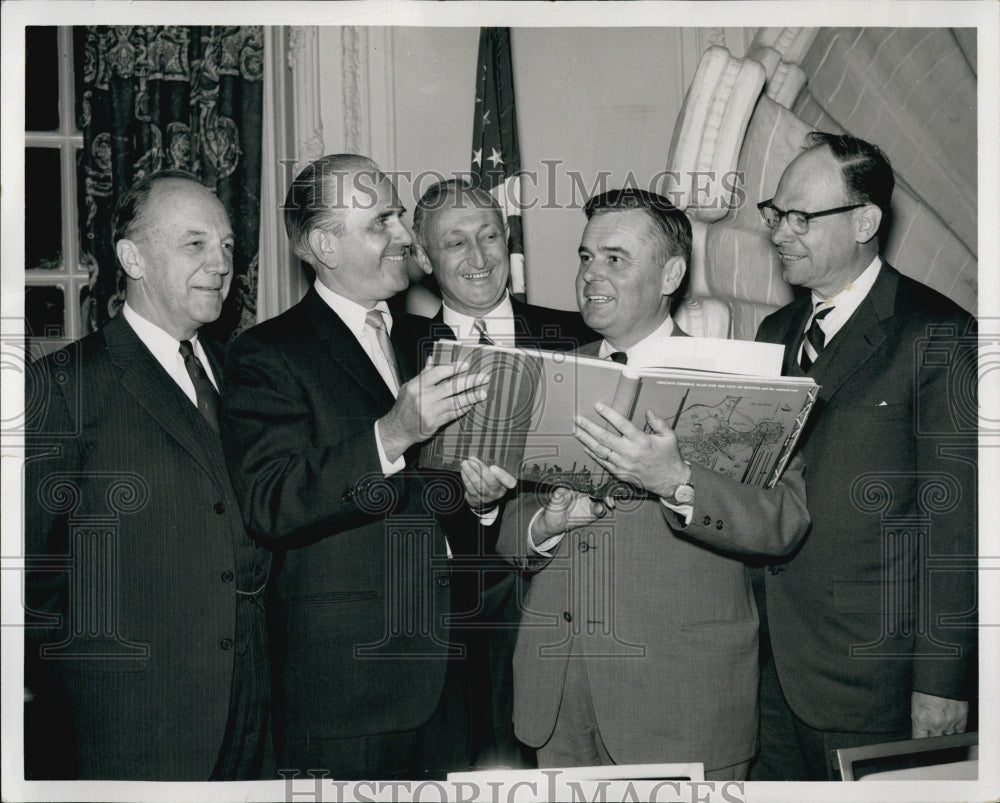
pixel 937 716
pixel 567 509
pixel 650 461
pixel 484 484
pixel 436 396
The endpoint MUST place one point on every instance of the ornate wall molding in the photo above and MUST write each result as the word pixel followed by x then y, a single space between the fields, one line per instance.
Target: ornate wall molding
pixel 303 61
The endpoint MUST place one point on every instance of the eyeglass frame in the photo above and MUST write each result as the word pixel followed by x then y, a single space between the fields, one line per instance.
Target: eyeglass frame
pixel 806 216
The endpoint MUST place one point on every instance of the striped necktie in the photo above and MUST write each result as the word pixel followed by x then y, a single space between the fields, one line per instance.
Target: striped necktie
pixel 814 340
pixel 480 326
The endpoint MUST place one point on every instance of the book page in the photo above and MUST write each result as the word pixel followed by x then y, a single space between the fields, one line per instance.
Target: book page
pixel 724 356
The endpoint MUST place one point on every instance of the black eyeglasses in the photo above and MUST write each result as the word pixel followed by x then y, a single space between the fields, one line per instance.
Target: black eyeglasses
pixel 797 221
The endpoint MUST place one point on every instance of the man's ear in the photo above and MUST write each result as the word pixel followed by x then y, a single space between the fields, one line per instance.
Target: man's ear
pixel 673 274
pixel 131 258
pixel 325 247
pixel 420 255
pixel 867 220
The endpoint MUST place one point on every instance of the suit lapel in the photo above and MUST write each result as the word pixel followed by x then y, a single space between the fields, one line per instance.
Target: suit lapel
pixel 859 338
pixel 345 349
pixel 155 390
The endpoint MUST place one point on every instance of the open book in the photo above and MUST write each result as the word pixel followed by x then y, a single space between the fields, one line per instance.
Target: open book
pixel 739 425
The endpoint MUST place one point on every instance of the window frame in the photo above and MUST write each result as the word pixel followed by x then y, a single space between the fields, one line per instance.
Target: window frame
pixel 72 275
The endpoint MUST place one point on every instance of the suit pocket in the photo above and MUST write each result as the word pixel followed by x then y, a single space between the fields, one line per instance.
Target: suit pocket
pixel 875 412
pixel 322 597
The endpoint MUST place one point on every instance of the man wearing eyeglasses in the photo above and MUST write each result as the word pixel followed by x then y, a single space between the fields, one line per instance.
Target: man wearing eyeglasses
pixel 869 638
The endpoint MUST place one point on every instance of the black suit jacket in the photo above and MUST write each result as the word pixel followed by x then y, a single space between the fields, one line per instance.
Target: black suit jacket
pixel 133 527
pixel 856 619
pixel 362 578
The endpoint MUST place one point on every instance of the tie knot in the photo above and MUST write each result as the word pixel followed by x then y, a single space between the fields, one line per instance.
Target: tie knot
pixel 374 319
pixel 484 337
pixel 819 316
pixel 619 357
pixel 186 349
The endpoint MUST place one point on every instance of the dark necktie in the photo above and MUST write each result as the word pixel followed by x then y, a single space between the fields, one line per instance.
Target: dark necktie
pixel 374 319
pixel 619 357
pixel 814 340
pixel 480 326
pixel 204 390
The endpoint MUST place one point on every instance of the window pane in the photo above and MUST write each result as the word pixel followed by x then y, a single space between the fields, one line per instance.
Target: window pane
pixel 42 208
pixel 41 78
pixel 44 311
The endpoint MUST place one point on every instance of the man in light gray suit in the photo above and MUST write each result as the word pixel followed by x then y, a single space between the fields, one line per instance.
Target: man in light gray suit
pixel 639 637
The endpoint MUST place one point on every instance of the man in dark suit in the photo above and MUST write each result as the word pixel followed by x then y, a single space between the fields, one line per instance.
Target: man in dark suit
pixel 324 409
pixel 460 239
pixel 862 647
pixel 144 588
pixel 639 640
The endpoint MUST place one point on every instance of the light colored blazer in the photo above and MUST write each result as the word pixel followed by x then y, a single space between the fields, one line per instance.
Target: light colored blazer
pixel 663 615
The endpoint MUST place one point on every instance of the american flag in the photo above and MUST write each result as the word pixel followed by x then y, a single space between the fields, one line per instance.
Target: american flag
pixel 496 157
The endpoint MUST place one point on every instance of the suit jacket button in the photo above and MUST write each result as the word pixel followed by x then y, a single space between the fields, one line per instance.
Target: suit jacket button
pixel 444 582
pixel 567 616
pixel 226 644
pixel 718 524
pixel 227 576
pixel 219 508
pixel 707 520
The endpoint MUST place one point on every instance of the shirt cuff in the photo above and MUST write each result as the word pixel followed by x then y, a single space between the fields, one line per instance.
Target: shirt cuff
pixel 683 512
pixel 545 548
pixel 487 517
pixel 388 467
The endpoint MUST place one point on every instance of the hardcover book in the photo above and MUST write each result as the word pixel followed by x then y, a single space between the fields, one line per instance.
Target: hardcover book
pixel 739 425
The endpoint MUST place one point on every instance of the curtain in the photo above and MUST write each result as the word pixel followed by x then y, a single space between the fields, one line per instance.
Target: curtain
pixel 174 97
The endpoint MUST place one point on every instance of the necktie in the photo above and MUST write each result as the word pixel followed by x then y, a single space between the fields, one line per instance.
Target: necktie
pixel 814 340
pixel 619 357
pixel 480 326
pixel 204 390
pixel 374 319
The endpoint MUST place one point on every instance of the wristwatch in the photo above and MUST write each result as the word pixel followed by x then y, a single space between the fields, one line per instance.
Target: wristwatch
pixel 684 493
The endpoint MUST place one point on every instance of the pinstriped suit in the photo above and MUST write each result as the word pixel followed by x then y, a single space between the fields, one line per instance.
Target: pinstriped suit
pixel 121 450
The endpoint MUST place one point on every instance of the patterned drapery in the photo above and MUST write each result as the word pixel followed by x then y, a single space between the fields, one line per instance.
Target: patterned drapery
pixel 169 97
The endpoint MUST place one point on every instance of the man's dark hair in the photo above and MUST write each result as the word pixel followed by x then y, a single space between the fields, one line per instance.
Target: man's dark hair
pixel 453 193
pixel 131 208
pixel 318 196
pixel 865 169
pixel 670 221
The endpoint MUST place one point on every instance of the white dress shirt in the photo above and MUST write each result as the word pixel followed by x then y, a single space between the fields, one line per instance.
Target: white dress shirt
pixel 166 350
pixel 499 323
pixel 844 302
pixel 353 315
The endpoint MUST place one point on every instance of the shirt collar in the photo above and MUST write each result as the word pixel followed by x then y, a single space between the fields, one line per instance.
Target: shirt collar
pixel 851 294
pixel 648 352
pixel 499 321
pixel 351 312
pixel 161 344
